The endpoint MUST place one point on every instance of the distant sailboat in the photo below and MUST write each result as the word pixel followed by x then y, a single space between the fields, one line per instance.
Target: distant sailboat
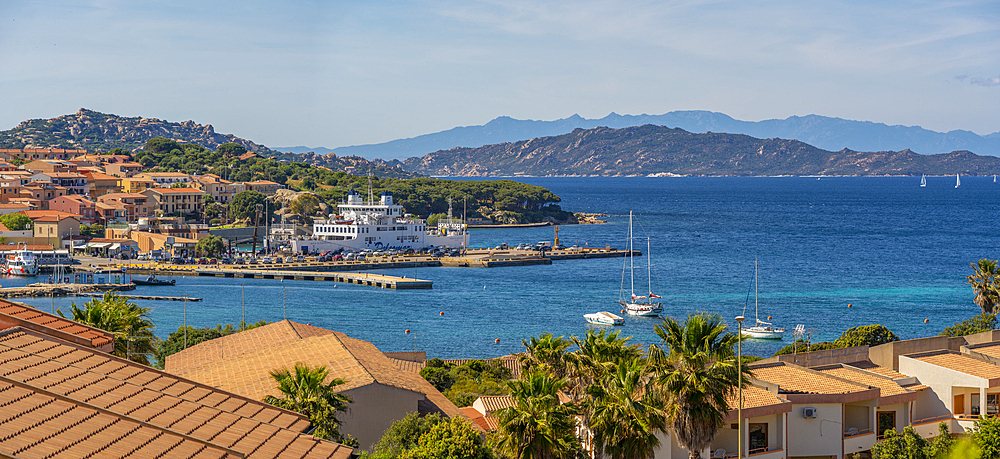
pixel 994 179
pixel 923 181
pixel 958 180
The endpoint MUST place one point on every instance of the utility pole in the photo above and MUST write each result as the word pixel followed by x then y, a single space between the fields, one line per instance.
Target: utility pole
pixel 185 321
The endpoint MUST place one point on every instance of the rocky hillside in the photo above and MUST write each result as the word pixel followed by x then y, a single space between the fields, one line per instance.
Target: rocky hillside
pixel 656 150
pixel 95 131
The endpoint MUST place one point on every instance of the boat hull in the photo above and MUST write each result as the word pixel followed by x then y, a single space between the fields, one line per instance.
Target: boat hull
pixel 642 309
pixel 604 318
pixel 763 333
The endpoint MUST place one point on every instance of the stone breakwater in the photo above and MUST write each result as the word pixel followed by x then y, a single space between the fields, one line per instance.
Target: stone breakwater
pixel 590 219
pixel 36 290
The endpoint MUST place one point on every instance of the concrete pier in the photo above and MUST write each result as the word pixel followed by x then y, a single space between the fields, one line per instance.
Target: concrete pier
pixel 373 280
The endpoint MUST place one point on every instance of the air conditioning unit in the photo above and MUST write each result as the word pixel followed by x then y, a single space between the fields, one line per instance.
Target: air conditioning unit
pixel 808 412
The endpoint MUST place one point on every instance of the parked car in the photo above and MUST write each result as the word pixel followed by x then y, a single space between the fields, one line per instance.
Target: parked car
pixel 337 258
pixel 240 261
pixel 279 260
pixel 177 260
pixel 266 260
pixel 300 258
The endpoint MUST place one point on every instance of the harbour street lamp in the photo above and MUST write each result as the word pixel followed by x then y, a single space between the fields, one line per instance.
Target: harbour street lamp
pixel 739 411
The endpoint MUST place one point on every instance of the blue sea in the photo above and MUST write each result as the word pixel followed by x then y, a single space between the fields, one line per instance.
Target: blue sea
pixel 833 253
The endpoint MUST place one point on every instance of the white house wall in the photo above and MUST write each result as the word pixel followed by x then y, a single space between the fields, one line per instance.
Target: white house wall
pixel 819 436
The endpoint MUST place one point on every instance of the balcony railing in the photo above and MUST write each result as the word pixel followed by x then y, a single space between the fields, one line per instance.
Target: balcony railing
pixel 854 432
pixel 943 417
pixel 769 449
pixel 722 454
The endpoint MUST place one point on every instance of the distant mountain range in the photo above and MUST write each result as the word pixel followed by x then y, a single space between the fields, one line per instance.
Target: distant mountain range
pixel 651 150
pixel 820 131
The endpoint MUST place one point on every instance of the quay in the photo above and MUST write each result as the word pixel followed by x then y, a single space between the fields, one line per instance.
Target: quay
pixel 373 280
pixel 144 297
pixel 36 290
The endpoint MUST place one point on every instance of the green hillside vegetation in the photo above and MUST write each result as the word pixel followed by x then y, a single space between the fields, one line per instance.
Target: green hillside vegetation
pixel 652 150
pixel 502 200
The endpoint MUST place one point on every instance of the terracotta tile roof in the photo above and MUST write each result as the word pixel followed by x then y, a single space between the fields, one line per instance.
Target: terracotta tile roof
pixel 991 349
pixel 872 367
pixel 493 403
pixel 797 380
pixel 15 314
pixel 11 205
pixel 5 248
pixel 242 363
pixel 87 377
pixel 960 363
pixel 408 365
pixel 37 214
pixel 754 397
pixel 41 424
pixel 94 175
pixel 886 385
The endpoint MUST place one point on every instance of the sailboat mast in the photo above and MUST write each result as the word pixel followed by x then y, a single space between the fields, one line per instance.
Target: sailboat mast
pixel 649 271
pixel 755 314
pixel 631 257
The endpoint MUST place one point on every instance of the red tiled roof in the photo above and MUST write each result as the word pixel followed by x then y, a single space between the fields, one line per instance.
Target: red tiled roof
pixel 136 393
pixel 14 314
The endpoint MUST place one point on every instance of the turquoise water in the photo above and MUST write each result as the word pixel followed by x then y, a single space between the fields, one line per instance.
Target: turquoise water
pixel 897 253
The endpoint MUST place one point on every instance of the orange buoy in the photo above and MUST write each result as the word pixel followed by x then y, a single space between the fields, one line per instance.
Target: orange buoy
pixel 927 320
pixel 848 304
pixel 768 317
pixel 442 313
pixel 623 311
pixel 497 341
pixel 407 331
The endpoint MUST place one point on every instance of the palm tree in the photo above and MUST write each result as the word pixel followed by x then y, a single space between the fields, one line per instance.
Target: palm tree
pixel 545 352
pixel 303 390
pixel 984 280
pixel 696 375
pixel 626 412
pixel 595 355
pixel 129 323
pixel 537 426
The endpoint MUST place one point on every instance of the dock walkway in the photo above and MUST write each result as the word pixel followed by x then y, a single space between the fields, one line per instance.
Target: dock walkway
pixel 373 280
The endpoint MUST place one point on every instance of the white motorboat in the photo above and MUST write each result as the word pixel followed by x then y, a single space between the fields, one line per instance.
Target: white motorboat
pixel 761 329
pixel 21 263
pixel 604 318
pixel 637 305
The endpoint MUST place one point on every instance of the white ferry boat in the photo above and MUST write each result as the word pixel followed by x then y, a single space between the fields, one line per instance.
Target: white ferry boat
pixel 20 263
pixel 378 225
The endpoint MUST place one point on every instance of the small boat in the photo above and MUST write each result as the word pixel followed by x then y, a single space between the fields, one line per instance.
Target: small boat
pixel 760 330
pixel 152 280
pixel 20 263
pixel 637 305
pixel 923 181
pixel 958 181
pixel 604 318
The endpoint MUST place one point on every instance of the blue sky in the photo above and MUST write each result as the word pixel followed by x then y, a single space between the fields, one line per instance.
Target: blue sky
pixel 326 73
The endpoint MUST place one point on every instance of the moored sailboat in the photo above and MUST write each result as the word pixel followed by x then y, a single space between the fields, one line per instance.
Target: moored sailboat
pixel 637 305
pixel 958 180
pixel 760 330
pixel 923 181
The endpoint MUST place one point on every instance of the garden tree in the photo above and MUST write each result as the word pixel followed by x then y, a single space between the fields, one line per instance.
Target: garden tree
pixel 463 384
pixel 800 345
pixel 697 372
pixel 161 145
pixel 210 245
pixel 547 353
pixel 175 341
pixel 305 391
pixel 537 426
pixel 986 435
pixel 94 230
pixel 627 412
pixel 180 185
pixel 231 149
pixel 16 221
pixel 129 323
pixel 433 219
pixel 978 324
pixel 214 209
pixel 866 335
pixel 306 206
pixel 453 438
pixel 908 444
pixel 402 436
pixel 985 284
pixel 244 205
